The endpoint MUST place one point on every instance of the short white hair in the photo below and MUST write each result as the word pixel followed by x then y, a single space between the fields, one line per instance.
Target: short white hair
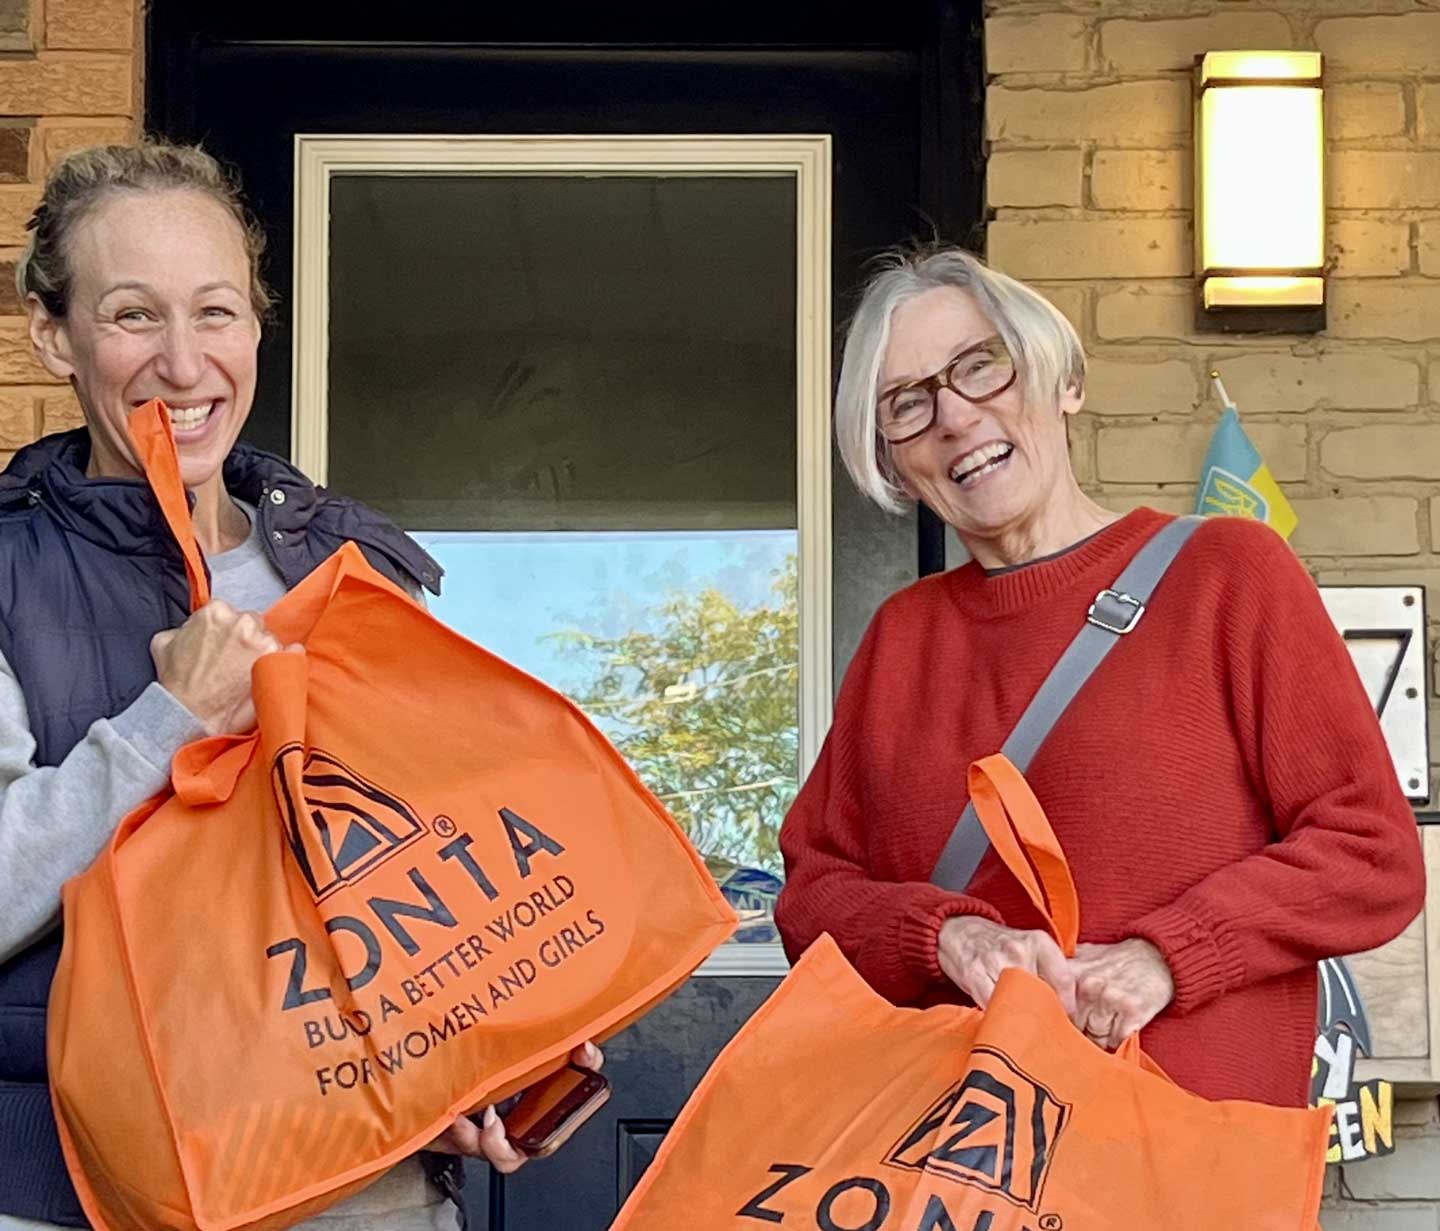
pixel 1047 352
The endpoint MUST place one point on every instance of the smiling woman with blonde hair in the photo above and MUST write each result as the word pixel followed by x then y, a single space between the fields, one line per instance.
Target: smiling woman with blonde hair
pixel 1220 785
pixel 142 280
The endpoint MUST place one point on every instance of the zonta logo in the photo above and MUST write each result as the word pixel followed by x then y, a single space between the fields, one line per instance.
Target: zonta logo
pixel 995 1128
pixel 982 1152
pixel 342 827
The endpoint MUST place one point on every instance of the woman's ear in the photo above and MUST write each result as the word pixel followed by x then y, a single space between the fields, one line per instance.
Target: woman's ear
pixel 48 337
pixel 1072 399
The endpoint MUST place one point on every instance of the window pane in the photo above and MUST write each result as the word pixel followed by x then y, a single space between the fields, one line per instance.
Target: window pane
pixel 580 394
pixel 553 352
pixel 681 646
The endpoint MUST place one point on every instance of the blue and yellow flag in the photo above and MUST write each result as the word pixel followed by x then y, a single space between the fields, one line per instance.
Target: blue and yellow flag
pixel 1236 482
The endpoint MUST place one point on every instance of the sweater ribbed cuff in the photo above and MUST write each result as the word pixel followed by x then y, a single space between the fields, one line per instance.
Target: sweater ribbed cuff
pixel 1202 964
pixel 157 726
pixel 919 939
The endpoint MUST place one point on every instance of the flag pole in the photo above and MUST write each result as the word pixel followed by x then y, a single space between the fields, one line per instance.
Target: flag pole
pixel 1220 389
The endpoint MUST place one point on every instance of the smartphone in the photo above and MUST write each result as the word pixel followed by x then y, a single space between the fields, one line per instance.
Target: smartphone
pixel 549 1112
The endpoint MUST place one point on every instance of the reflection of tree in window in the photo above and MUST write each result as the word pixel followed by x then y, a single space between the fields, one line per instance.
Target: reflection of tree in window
pixel 703 706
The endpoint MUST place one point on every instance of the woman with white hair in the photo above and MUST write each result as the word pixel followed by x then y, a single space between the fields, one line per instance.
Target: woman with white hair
pixel 1220 785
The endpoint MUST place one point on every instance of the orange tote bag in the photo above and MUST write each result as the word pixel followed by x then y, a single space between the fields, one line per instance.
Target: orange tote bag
pixel 413 889
pixel 832 1110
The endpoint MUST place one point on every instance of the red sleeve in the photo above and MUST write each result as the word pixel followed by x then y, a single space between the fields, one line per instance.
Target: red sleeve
pixel 889 930
pixel 1345 872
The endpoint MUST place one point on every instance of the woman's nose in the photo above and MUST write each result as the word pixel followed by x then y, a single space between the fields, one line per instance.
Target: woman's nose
pixel 953 414
pixel 181 361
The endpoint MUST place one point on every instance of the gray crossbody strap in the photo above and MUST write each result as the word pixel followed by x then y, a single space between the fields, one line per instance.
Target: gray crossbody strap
pixel 1115 612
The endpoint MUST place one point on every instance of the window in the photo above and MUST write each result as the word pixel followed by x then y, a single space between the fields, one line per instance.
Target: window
pixel 591 375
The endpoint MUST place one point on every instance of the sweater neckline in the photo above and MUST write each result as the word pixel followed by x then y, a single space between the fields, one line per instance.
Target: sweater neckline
pixel 1045 559
pixel 1097 561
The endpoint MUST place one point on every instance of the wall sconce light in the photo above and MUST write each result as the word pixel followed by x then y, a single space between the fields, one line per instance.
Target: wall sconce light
pixel 1260 192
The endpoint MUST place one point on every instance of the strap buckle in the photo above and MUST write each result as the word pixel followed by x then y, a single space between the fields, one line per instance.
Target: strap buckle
pixel 1115 611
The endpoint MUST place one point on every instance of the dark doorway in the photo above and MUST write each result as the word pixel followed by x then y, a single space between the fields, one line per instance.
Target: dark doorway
pixel 898 86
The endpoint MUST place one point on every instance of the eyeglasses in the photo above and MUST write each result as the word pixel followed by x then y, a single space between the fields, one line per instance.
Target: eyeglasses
pixel 978 373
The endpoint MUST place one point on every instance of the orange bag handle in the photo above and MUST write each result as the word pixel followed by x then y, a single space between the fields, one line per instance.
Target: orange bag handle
pixel 155 448
pixel 206 771
pixel 1021 835
pixel 203 772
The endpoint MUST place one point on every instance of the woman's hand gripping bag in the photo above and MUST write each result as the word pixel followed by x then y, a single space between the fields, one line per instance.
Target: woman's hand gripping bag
pixel 833 1110
pixel 413 889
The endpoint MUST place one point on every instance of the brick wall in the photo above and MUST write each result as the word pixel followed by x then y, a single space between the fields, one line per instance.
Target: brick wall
pixel 68 77
pixel 1090 185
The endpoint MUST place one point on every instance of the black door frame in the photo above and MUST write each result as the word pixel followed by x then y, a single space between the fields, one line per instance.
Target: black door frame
pixel 948 34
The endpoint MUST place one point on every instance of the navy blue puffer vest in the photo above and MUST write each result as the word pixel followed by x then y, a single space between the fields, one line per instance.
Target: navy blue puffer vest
pixel 88 574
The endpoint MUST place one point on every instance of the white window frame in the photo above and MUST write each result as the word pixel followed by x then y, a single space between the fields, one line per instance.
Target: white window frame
pixel 319 158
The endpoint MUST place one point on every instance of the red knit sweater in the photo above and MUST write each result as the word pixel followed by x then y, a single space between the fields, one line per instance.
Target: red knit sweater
pixel 1220 786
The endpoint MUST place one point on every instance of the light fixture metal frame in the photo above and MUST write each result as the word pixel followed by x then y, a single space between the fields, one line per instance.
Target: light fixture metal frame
pixel 1248 318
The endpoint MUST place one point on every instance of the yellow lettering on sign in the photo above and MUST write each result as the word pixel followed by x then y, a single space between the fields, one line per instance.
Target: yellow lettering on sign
pixel 1377 1118
pixel 1332 1155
